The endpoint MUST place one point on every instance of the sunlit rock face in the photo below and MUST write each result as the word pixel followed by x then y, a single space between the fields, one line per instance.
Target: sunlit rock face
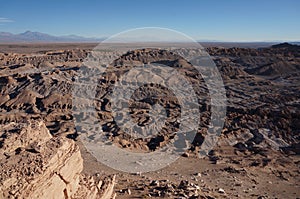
pixel 35 164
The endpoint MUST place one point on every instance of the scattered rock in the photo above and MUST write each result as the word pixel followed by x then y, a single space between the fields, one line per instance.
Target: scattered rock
pixel 220 190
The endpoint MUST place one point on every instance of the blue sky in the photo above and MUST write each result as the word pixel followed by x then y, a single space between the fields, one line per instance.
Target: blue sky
pixel 224 20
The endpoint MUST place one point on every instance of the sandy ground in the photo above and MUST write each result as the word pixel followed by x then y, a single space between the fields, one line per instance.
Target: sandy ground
pixel 236 179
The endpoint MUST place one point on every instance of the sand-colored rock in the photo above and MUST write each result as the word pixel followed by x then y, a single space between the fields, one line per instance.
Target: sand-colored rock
pixel 37 165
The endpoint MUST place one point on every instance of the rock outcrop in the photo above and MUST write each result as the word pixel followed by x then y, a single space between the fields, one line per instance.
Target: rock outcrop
pixel 35 164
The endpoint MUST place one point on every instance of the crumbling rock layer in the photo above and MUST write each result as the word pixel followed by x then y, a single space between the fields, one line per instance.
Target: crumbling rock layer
pixel 34 164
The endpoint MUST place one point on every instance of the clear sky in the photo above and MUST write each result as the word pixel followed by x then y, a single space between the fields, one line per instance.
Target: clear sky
pixel 224 20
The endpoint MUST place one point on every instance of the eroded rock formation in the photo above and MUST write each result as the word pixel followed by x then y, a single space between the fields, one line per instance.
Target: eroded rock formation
pixel 35 164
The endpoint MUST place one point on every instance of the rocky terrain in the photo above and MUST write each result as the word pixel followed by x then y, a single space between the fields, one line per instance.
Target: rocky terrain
pixel 257 155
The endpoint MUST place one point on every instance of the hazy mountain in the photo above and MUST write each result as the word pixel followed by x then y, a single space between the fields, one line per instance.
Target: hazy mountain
pixel 29 36
pixel 38 37
pixel 287 46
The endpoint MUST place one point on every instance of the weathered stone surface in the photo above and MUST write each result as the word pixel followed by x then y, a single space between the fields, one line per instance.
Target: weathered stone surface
pixel 35 164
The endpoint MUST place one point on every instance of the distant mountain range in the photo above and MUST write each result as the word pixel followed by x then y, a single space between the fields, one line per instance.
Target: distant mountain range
pixel 38 37
pixel 29 36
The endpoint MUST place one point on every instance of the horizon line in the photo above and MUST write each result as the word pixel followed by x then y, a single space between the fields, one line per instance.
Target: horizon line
pixel 96 39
